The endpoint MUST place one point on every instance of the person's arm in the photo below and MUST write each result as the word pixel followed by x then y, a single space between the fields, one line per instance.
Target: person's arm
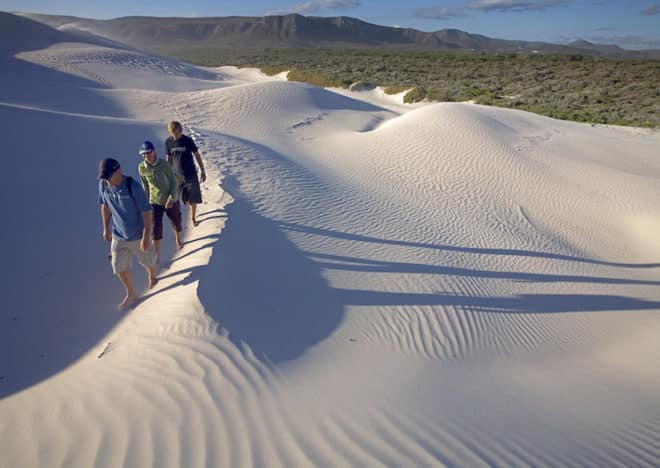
pixel 106 215
pixel 145 184
pixel 146 210
pixel 168 153
pixel 198 158
pixel 174 191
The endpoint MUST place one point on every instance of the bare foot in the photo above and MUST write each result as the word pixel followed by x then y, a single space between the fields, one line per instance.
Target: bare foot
pixel 195 222
pixel 128 302
pixel 179 246
pixel 153 282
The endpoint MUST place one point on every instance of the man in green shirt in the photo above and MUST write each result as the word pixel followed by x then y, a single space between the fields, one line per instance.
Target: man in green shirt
pixel 161 188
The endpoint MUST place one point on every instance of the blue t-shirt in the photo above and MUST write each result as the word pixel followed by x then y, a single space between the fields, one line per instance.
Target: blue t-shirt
pixel 127 223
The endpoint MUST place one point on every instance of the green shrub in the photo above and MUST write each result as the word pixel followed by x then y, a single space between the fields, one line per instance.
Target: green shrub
pixel 395 89
pixel 417 94
pixel 582 88
pixel 315 78
pixel 271 71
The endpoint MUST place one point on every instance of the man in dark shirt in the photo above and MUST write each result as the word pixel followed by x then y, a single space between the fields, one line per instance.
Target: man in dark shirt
pixel 180 150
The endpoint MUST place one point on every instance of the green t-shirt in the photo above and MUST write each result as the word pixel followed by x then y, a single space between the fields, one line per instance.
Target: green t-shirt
pixel 158 182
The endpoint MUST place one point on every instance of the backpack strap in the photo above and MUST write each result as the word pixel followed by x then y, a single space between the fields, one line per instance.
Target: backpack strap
pixel 129 182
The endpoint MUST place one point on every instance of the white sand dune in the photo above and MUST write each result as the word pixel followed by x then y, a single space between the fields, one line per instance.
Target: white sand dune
pixel 372 284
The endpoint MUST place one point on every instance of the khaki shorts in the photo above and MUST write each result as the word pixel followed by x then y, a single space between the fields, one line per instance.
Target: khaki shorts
pixel 122 254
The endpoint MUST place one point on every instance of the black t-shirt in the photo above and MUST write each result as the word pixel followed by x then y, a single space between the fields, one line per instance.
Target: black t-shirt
pixel 181 151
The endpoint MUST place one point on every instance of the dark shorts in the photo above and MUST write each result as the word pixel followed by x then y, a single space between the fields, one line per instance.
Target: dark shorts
pixel 173 213
pixel 190 191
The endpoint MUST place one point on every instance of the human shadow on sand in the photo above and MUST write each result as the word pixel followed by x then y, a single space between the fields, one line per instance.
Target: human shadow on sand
pixel 523 303
pixel 454 248
pixel 273 298
pixel 340 262
pixel 261 288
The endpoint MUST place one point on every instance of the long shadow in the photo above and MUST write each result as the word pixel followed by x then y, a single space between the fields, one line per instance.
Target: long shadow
pixel 57 288
pixel 260 287
pixel 378 266
pixel 524 303
pixel 264 290
pixel 452 248
pixel 272 296
pixel 58 291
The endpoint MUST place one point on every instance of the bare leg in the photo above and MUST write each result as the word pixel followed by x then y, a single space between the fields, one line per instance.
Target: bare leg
pixel 177 237
pixel 126 279
pixel 193 212
pixel 157 247
pixel 151 272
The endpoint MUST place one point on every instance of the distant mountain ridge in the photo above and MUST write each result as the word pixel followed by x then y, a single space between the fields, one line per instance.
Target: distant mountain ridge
pixel 307 31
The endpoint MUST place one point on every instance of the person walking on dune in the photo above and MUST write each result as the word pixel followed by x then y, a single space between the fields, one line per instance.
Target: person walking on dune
pixel 180 150
pixel 160 186
pixel 124 202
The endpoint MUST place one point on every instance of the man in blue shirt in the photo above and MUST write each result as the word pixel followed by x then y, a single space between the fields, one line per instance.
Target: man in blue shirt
pixel 123 200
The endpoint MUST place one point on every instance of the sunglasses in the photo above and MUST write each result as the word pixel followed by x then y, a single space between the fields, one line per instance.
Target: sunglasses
pixel 146 154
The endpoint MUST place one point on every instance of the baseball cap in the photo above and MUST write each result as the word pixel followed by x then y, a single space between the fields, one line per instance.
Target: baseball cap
pixel 147 147
pixel 107 167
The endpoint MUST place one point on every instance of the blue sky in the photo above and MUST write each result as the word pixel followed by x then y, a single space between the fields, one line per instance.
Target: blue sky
pixel 632 24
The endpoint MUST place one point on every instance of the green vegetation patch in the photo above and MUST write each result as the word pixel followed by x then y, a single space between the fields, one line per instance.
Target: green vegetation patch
pixel 570 87
pixel 417 94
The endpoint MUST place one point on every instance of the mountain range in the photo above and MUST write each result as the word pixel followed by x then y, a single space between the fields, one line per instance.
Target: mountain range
pixel 294 30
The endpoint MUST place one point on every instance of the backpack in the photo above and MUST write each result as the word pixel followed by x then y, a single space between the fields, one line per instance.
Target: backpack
pixel 129 182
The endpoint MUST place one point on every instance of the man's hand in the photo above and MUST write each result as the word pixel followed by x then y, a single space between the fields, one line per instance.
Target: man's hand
pixel 145 243
pixel 106 215
pixel 198 158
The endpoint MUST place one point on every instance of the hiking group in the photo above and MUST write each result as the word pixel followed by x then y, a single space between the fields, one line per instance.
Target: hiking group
pixel 136 209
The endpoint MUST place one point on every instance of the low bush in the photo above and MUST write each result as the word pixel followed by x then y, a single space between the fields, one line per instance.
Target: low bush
pixel 581 88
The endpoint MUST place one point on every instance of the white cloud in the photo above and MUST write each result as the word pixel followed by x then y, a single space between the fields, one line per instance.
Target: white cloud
pixel 485 6
pixel 438 13
pixel 512 5
pixel 651 9
pixel 316 6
